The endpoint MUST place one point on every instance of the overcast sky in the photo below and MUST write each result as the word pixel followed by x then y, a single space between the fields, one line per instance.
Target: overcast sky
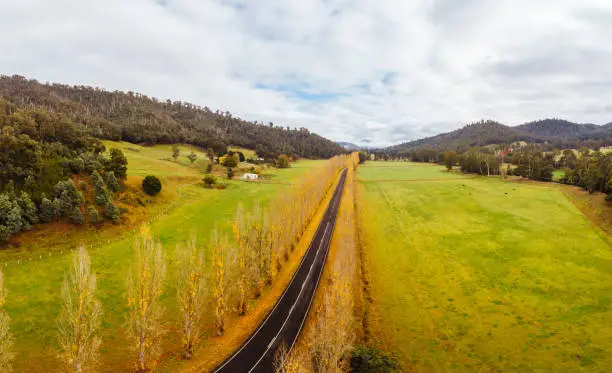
pixel 351 70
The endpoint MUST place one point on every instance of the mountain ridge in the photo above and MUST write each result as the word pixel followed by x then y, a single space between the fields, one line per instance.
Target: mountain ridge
pixel 557 132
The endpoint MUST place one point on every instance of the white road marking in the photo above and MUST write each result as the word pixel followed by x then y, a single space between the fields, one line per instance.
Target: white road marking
pixel 336 203
pixel 292 307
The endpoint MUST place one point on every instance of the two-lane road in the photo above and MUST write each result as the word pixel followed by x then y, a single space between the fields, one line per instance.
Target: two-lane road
pixel 284 323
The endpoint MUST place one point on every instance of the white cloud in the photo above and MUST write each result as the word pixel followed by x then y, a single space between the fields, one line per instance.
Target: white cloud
pixel 383 70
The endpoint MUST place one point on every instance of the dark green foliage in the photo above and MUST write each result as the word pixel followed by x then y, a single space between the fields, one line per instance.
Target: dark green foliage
pixel 112 213
pixel 29 211
pixel 77 216
pixel 175 152
pixel 367 359
pixel 101 193
pixel 209 168
pixel 68 196
pixel 241 157
pixel 363 156
pixel 609 197
pixel 48 210
pixel 94 217
pixel 532 163
pixel 76 165
pixel 230 161
pixel 283 161
pixel 480 161
pixel 230 173
pixel 192 157
pixel 450 159
pixel 210 180
pixel 111 181
pixel 5 234
pixel 151 185
pixel 117 164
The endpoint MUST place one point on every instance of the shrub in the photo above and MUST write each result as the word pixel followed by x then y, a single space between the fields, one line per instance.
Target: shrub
pixel 210 180
pixel 176 151
pixel 192 157
pixel 231 161
pixel 282 161
pixel 28 208
pixel 151 185
pixel 363 156
pixel 5 234
pixel 68 196
pixel 113 213
pixel 117 164
pixel 77 217
pixel 101 193
pixel 209 168
pixel 230 173
pixel 111 181
pixel 609 197
pixel 367 359
pixel 48 210
pixel 94 217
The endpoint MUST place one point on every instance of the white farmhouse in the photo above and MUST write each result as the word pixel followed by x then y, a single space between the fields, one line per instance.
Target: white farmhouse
pixel 250 177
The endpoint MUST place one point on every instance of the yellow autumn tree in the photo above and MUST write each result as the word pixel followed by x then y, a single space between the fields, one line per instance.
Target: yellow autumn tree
pixel 222 272
pixel 242 265
pixel 80 317
pixel 6 338
pixel 145 286
pixel 191 293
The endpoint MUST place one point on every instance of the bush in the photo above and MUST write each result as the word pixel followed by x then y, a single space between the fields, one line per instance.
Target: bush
pixel 5 234
pixel 94 217
pixel 209 168
pixel 231 161
pixel 77 217
pixel 210 180
pixel 367 359
pixel 282 161
pixel 48 211
pixel 230 173
pixel 111 181
pixel 192 157
pixel 113 213
pixel 609 197
pixel 151 185
pixel 117 164
pixel 363 156
pixel 101 194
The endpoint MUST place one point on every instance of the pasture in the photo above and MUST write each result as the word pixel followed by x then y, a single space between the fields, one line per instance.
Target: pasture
pixel 34 287
pixel 475 274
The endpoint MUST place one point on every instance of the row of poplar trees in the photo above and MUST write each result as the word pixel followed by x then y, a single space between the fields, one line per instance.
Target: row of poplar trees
pixel 238 270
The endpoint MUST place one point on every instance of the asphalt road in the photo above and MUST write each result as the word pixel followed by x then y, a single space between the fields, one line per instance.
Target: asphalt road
pixel 284 323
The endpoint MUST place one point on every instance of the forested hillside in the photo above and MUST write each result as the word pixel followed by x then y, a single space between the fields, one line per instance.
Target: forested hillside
pixel 559 128
pixel 552 132
pixel 137 118
pixel 475 134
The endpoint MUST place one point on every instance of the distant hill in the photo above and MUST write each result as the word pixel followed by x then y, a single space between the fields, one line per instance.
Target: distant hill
pixel 554 132
pixel 558 128
pixel 349 146
pixel 137 118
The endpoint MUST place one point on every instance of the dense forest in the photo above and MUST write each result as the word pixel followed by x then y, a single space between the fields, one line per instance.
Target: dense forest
pixel 551 133
pixel 133 117
pixel 42 154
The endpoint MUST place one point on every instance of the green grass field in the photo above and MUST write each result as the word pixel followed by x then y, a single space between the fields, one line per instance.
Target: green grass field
pixel 34 286
pixel 482 275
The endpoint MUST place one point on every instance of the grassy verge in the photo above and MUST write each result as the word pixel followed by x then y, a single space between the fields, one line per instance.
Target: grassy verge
pixel 484 275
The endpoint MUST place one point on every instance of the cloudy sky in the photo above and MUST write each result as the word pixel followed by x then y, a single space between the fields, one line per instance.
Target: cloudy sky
pixel 351 70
